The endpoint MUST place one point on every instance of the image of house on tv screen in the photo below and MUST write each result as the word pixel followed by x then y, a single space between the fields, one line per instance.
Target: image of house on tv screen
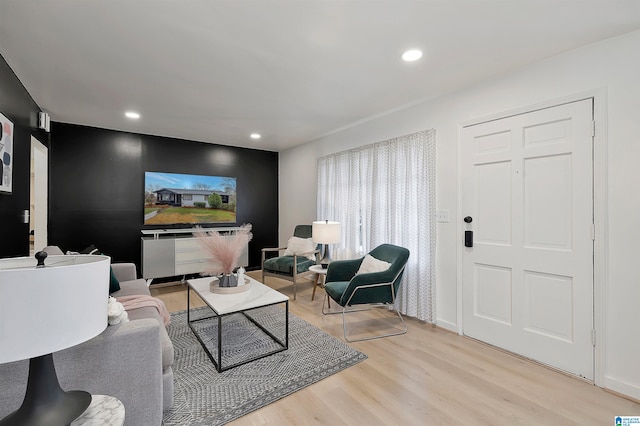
pixel 174 198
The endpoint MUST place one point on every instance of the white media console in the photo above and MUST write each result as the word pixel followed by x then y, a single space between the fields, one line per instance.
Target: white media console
pixel 172 252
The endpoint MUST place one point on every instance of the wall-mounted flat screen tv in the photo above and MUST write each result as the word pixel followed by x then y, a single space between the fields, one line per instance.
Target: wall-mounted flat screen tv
pixel 175 198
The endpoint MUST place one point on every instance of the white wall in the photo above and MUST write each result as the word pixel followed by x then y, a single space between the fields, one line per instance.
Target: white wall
pixel 611 64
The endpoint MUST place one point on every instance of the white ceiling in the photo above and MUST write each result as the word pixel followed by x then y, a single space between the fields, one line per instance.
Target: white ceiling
pixel 292 70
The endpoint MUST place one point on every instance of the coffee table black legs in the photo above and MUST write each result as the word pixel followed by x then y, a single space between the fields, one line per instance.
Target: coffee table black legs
pixel 217 359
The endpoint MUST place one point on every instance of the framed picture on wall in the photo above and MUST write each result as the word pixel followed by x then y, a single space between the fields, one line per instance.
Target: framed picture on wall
pixel 6 154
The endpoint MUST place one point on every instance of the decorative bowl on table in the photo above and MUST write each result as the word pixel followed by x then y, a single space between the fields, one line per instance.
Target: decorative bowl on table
pixel 214 287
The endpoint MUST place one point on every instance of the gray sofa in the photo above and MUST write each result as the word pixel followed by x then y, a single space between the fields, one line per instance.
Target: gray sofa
pixel 131 361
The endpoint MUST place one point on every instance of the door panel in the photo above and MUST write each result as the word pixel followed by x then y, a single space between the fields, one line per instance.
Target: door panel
pixel 492 293
pixel 492 196
pixel 544 315
pixel 528 279
pixel 547 202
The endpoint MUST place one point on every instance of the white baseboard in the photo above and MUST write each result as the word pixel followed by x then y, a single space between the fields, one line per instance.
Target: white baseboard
pixel 447 325
pixel 620 386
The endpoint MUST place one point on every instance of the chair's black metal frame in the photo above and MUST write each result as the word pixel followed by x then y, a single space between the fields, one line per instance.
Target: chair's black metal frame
pixel 345 310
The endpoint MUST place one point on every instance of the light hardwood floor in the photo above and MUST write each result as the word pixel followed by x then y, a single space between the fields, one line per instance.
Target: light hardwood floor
pixel 428 376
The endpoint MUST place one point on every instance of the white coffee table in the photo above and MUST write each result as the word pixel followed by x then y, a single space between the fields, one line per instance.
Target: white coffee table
pixel 258 296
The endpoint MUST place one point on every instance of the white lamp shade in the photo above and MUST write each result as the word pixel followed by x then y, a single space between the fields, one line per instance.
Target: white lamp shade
pixel 325 232
pixel 44 310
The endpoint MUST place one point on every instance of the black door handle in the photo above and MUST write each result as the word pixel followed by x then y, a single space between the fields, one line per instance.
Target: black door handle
pixel 468 238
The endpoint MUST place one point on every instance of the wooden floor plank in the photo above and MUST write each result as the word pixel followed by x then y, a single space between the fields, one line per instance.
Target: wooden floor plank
pixel 428 376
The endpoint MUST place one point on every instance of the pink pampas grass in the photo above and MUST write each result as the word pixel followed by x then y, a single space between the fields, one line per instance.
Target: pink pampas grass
pixel 225 250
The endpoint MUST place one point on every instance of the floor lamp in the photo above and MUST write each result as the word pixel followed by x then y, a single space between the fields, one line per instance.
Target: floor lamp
pixel 57 303
pixel 325 232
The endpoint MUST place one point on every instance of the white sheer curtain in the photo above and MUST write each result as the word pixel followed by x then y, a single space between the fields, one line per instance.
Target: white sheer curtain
pixel 385 193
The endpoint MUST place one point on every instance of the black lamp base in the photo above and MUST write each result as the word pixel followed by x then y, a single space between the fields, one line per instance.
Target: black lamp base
pixel 45 403
pixel 326 260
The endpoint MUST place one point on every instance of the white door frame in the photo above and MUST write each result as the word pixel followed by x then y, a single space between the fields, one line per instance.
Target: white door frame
pixel 600 212
pixel 39 180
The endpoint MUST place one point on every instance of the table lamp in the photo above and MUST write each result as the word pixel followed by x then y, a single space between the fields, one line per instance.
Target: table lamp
pixel 325 232
pixel 57 303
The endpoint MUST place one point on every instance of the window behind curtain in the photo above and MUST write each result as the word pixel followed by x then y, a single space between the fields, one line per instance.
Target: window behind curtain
pixel 385 193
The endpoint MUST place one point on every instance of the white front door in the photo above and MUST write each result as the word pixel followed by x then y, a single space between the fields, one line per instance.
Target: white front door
pixel 527 188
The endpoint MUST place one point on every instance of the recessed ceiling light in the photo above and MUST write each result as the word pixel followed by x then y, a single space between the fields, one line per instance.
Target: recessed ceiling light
pixel 412 55
pixel 132 115
pixel 255 136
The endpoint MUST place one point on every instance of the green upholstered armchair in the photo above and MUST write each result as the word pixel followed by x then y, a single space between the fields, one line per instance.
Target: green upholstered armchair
pixel 283 266
pixel 348 288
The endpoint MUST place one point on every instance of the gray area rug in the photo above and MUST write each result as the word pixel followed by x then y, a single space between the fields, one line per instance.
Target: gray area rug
pixel 205 397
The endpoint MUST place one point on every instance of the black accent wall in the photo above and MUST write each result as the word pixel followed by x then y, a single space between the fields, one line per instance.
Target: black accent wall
pixel 97 196
pixel 19 107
